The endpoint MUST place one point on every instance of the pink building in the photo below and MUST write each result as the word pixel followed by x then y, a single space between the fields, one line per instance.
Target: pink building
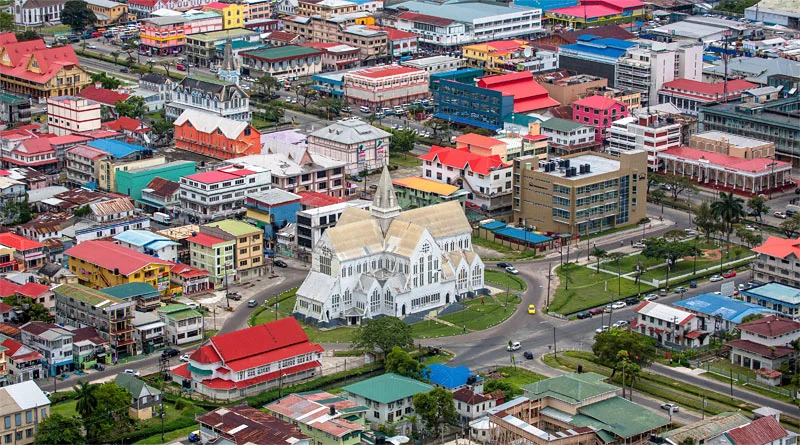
pixel 167 35
pixel 385 86
pixel 599 112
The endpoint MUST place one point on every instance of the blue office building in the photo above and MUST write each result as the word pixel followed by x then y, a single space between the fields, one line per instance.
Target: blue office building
pixel 272 209
pixel 468 104
pixel 594 55
pixel 718 312
pixel 546 5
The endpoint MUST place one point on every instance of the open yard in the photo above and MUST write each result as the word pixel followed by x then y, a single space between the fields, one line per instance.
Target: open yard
pixel 404 160
pixel 588 289
pixel 484 312
pixel 503 280
pixel 66 409
pixel 505 251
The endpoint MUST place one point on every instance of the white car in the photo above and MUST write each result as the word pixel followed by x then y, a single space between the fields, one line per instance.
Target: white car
pixel 512 270
pixel 132 372
pixel 619 324
pixel 741 286
pixel 691 232
pixel 91 46
pixel 716 278
pixel 618 305
pixel 185 358
pixel 750 228
pixel 670 407
pixel 651 297
pixel 601 330
pixel 513 346
pixel 639 245
pixel 288 100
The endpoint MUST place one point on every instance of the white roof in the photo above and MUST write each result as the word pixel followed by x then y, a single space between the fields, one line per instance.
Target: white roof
pixel 317 286
pixel 209 122
pixel 27 395
pixel 351 131
pixel 732 139
pixel 664 312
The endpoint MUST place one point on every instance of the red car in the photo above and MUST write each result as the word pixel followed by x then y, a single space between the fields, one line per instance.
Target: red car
pixel 729 274
pixel 596 311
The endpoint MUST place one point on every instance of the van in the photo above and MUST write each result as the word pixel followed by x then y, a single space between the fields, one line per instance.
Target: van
pixel 364 109
pixel 399 110
pixel 387 111
pixel 162 218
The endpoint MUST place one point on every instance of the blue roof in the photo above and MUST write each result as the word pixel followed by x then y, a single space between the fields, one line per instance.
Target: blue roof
pixel 145 239
pixel 777 292
pixel 546 5
pixel 522 235
pixel 116 148
pixel 494 225
pixel 714 304
pixel 447 376
pixel 591 44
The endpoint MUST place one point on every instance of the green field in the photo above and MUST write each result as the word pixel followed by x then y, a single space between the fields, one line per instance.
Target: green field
pixel 483 313
pixel 588 289
pixel 404 160
pixel 503 279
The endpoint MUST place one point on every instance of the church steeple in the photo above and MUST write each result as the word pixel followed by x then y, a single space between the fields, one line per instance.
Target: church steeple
pixel 384 204
pixel 228 71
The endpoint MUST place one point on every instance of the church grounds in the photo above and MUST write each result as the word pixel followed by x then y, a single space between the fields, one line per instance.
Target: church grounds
pixel 504 280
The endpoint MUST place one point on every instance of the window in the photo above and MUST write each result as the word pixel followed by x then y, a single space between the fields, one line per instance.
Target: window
pixel 7 421
pixel 28 416
pixel 18 419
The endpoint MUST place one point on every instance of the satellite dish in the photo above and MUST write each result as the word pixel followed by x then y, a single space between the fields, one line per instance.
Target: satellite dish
pixel 527 52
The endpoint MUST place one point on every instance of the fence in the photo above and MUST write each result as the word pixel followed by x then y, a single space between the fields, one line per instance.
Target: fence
pixel 748 380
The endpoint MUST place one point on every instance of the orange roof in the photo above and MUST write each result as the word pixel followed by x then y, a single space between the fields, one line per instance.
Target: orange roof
pixel 17 242
pixel 477 139
pixel 426 185
pixel 779 247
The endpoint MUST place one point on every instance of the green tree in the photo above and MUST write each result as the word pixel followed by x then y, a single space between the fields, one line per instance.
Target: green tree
pixel 267 84
pixel 436 409
pixel 790 226
pixel 668 250
pixel 759 206
pixel 80 212
pixel 273 112
pixel 383 334
pixel 400 362
pixel 6 21
pixel 752 317
pixel 85 395
pixel 509 391
pixel 27 35
pixel 134 107
pixel 31 311
pixel 57 429
pixel 402 141
pixel 332 105
pixel 599 254
pixel 677 184
pixel 749 237
pixel 106 81
pixel 728 209
pixel 735 6
pixel 115 55
pixel 77 15
pixel 162 130
pixel 110 415
pixel 705 220
pixel 688 441
pixel 658 196
pixel 607 345
pixel 307 94
pixel 166 65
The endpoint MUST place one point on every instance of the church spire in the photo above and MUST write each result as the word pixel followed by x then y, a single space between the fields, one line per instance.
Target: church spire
pixel 227 58
pixel 228 71
pixel 384 204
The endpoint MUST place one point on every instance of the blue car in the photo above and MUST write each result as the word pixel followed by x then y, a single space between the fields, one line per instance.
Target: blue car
pixel 194 436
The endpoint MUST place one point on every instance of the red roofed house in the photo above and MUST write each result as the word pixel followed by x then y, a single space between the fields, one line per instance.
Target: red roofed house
pixel 282 38
pixel 22 363
pixel 7 312
pixel 243 425
pixel 528 95
pixel 669 325
pixel 481 145
pixel 486 177
pixel 250 361
pixel 385 86
pixel 719 171
pixel 30 68
pixel 313 200
pixel 37 153
pixel 136 131
pixel 763 431
pixel 28 253
pixel 763 343
pixel 402 43
pixel 7 289
pixel 39 293
pixel 192 280
pixel 104 96
pixel 597 13
pixel 599 112
pixel 689 95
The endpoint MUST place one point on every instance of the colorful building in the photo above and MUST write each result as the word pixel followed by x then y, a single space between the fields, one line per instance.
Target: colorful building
pixel 284 62
pixel 131 182
pixel 599 112
pixel 528 95
pixel 28 254
pixel 184 324
pixel 193 281
pixel 272 210
pixel 221 193
pixel 101 264
pixel 167 35
pixel 248 253
pixel 326 418
pixel 211 135
pixel 70 114
pixel 416 192
pixel 214 255
pixel 490 56
pixel 689 95
pixel 385 86
pixel 597 13
pixel 108 12
pixel 232 13
pixel 30 68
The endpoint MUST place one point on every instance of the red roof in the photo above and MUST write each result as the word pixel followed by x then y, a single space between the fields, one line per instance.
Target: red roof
pixel 588 11
pixel 112 256
pixel 87 152
pixel 205 239
pixel 218 383
pixel 5 308
pixel 597 102
pixel 216 5
pixel 462 158
pixel 49 60
pixel 313 200
pixel 397 34
pixel 758 432
pixel 779 247
pixel 33 290
pixel 709 89
pixel 7 289
pixel 284 36
pixel 762 350
pixel 528 95
pixel 19 51
pixel 379 72
pixel 771 326
pixel 127 123
pixel 621 4
pixel 754 165
pixel 206 354
pixel 423 18
pixel 692 335
pixel 68 139
pixel 7 37
pixel 769 373
pixel 19 243
pixel 477 139
pixel 181 370
pixel 187 271
pixel 12 346
pixel 35 146
pixel 103 95
pixel 535 137
pixel 259 339
pixel 223 174
pixel 148 3
pixel 273 356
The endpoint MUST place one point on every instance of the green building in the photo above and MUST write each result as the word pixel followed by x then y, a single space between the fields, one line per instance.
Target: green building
pixel 389 397
pixel 415 192
pixel 132 182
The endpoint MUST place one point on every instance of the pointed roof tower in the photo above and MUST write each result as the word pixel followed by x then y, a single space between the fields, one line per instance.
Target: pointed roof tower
pixel 228 71
pixel 384 205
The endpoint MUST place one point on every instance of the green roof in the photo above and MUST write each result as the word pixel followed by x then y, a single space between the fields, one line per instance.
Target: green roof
pixel 619 416
pixel 179 311
pixel 89 296
pixel 240 44
pixel 235 228
pixel 12 99
pixel 570 388
pixel 134 385
pixel 387 388
pixel 557 124
pixel 221 35
pixel 132 290
pixel 281 52
pixel 521 119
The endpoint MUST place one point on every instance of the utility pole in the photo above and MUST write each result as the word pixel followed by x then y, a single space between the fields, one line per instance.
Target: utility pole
pixel 566 280
pixel 555 348
pixel 549 276
pixel 623 378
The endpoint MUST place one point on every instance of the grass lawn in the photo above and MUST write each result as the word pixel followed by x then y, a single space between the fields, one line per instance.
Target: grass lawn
pixel 172 414
pixel 507 253
pixel 182 433
pixel 434 329
pixel 66 409
pixel 478 317
pixel 519 377
pixel 260 123
pixel 504 279
pixel 404 160
pixel 442 357
pixel 628 264
pixel 725 366
pixel 589 289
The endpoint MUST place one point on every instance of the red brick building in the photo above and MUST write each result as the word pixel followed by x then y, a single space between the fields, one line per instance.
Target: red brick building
pixel 215 136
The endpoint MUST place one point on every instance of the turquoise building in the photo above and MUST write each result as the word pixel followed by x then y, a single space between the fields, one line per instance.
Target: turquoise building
pixel 131 182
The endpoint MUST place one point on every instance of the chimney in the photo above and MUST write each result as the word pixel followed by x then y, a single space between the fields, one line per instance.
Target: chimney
pixel 333 410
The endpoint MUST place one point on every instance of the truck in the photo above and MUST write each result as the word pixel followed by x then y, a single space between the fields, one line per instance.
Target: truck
pixel 162 218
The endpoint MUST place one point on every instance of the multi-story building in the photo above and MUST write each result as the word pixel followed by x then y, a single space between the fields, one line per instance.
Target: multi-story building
pixel 80 306
pixel 765 343
pixel 27 405
pixel 593 13
pixel 218 137
pixel 217 426
pixel 455 101
pixel 594 55
pixel 337 56
pixel 183 324
pixel 249 248
pixel 389 398
pixel 14 110
pixel 108 12
pixel 732 145
pixel 156 89
pixel 167 35
pixel 644 132
pixel 586 193
pixel 352 141
pixel 133 181
pixel 385 86
pixel 599 112
pixel 569 89
pixel 101 264
pixel 567 137
pixel 271 211
pixel 486 178
pixel 114 209
pixel 258 14
pixel 149 243
pixel 325 8
pixel 528 95
pixel 646 67
pixel 81 165
pixel 690 95
pixel 327 419
pixel 226 100
pixel 285 62
pixel 160 194
pixel 148 332
pixel 312 223
pixel 12 192
pixel 220 194
pixel 436 64
pixel 232 13
pixel 29 68
pixel 669 325
pixel 88 347
pixel 490 56
pixel 251 361
pixel 191 280
pixel 53 342
pixel 22 363
pixel 773 122
pixel 28 254
pixel 201 48
pixel 144 8
pixel 309 172
pixel 215 255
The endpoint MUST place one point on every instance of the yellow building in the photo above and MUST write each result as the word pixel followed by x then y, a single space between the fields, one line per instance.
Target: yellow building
pixel 23 406
pixel 232 14
pixel 325 9
pixel 107 169
pixel 108 12
pixel 492 56
pixel 30 68
pixel 102 264
pixel 249 248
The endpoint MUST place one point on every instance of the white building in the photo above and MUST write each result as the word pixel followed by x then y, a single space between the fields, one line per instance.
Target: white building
pixel 67 115
pixel 385 86
pixel 436 64
pixel 52 341
pixel 38 12
pixel 220 194
pixel 182 323
pixel 389 398
pixel 150 243
pixel 765 343
pixel 644 132
pixel 388 262
pixel 669 325
pixel 646 67
pixel 312 223
pixel 352 141
pixel 226 100
pixel 148 332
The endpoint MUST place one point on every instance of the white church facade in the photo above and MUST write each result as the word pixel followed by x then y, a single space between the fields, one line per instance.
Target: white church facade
pixel 385 261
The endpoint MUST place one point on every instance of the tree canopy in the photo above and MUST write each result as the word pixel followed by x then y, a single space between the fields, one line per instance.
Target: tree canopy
pixel 383 334
pixel 705 220
pixel 6 21
pixel 57 429
pixel 607 345
pixel 402 141
pixel 677 184
pixel 435 409
pixel 758 206
pixel 111 412
pixel 400 362
pixel 106 82
pixel 77 15
pixel 668 250
pixel 728 209
pixel 134 107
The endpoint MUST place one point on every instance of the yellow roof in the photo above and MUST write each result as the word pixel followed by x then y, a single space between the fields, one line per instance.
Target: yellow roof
pixel 425 185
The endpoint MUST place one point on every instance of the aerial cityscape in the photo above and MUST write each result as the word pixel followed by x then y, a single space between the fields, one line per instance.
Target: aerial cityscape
pixel 347 222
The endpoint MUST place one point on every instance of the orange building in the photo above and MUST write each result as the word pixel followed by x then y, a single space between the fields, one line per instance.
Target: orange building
pixel 215 136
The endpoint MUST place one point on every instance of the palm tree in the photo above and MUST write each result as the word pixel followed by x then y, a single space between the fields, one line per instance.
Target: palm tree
pixel 729 208
pixel 705 220
pixel 599 254
pixel 87 402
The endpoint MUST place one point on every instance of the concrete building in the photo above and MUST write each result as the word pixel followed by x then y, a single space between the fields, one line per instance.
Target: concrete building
pixel 455 95
pixel 718 313
pixel 53 342
pixel 599 112
pixel 36 13
pixel 529 96
pixel 646 67
pixel 567 137
pixel 313 172
pixel 774 12
pixel 415 192
pixel 132 181
pixel 221 193
pixel 70 114
pixel 352 141
pixel 249 248
pixel 22 363
pixel 436 64
pixel 388 397
pixel 312 223
pixel 201 48
pixel 571 204
pixel 150 243
pixel 191 280
pixel 385 86
pixel 703 29
pixel 764 343
pixel 28 254
pixel 669 325
pixel 224 99
pixel 14 110
pixel 148 332
pixel 215 255
pixel 183 324
pixel 595 13
pixel 594 55
pixel 27 405
pixel 732 145
pixel 167 35
pixel 327 419
pixel 645 132
pixel 779 297
pixel 285 62
pixel 690 95
pixel 160 194
pixel 566 90
pixel 107 12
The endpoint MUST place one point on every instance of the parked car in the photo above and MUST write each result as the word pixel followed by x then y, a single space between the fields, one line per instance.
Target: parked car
pixel 236 296
pixel 693 284
pixel 512 270
pixel 503 265
pixel 531 309
pixel 651 297
pixel 582 315
pixel 631 301
pixel 780 215
pixel 619 324
pixel 528 355
pixel 602 329
pixel 608 308
pixel 741 286
pixel 180 67
pixel 595 311
pixel 716 278
pixel 252 303
pixel 639 245
pixel 169 352
pixel 185 358
pixel 670 407
pixel 99 367
pixel 729 274
pixel 513 346
pixel 662 293
pixel 280 263
pixel 750 228
pixel 132 372
pixel 680 289
pixel 194 436
pixel 618 305
pixel 123 70
pixel 91 46
pixel 690 232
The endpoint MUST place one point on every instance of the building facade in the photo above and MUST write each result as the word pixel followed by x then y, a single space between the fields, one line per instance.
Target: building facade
pixel 599 112
pixel 215 255
pixel 284 63
pixel 221 193
pixel 352 141
pixel 183 324
pixel 32 69
pixel 218 137
pixel 28 406
pixel 248 254
pixel 385 86
pixel 645 132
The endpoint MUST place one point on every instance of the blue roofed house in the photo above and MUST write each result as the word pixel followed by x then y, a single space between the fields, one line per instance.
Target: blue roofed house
pixel 718 312
pixel 778 297
pixel 150 243
pixel 453 378
pixel 121 156
pixel 594 55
